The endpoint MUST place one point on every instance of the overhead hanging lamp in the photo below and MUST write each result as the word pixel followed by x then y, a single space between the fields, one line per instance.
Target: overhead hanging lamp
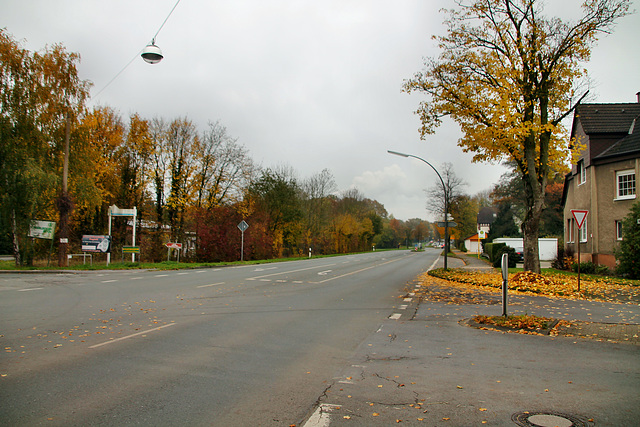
pixel 152 53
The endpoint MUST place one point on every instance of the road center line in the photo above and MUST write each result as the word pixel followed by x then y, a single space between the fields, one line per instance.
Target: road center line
pixel 359 271
pixel 291 271
pixel 133 335
pixel 29 289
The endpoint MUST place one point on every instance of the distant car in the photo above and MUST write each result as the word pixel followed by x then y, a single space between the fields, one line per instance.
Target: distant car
pixel 519 254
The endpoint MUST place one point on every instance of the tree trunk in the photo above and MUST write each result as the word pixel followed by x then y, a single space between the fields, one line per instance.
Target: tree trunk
pixel 16 241
pixel 531 226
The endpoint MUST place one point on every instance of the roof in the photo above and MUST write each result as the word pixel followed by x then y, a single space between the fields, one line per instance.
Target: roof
pixel 607 118
pixel 628 145
pixel 487 215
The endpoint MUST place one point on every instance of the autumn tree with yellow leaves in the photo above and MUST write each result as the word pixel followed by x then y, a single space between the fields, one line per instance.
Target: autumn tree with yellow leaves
pixel 41 97
pixel 507 75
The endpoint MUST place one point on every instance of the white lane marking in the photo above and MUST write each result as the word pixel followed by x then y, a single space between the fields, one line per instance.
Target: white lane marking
pixel 395 316
pixel 133 335
pixel 29 289
pixel 434 264
pixel 404 306
pixel 324 273
pixel 320 417
pixel 291 271
pixel 200 271
pixel 182 274
pixel 357 271
pixel 407 299
pixel 265 268
pixel 213 284
pixel 109 281
pixel 161 275
pixel 136 278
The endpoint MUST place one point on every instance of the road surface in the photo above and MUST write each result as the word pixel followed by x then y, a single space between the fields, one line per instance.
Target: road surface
pixel 249 345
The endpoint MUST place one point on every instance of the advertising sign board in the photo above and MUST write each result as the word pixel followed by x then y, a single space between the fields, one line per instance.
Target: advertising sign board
pixel 101 244
pixel 42 229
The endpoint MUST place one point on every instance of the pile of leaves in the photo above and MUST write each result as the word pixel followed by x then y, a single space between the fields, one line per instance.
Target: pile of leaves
pixel 548 284
pixel 524 322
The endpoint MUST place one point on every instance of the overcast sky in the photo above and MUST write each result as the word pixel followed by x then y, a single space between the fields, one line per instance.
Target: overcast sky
pixel 309 84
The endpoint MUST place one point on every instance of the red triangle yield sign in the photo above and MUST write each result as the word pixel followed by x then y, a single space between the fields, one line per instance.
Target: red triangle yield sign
pixel 579 216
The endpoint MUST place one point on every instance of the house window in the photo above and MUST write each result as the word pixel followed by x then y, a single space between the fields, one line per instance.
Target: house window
pixel 618 230
pixel 570 230
pixel 583 232
pixel 626 184
pixel 582 173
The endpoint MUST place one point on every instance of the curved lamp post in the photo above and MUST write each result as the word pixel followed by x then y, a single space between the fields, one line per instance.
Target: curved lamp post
pixel 446 200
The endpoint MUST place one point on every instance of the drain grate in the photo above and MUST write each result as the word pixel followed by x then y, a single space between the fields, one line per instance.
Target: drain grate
pixel 548 419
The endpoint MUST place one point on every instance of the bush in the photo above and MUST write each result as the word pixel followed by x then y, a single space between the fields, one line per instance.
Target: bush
pixel 492 249
pixel 497 262
pixel 628 255
pixel 586 267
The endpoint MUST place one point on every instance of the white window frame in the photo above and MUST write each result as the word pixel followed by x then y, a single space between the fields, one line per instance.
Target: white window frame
pixel 583 232
pixel 570 224
pixel 618 230
pixel 619 174
pixel 582 172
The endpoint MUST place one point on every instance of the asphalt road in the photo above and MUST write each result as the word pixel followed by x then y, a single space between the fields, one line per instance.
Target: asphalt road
pixel 234 346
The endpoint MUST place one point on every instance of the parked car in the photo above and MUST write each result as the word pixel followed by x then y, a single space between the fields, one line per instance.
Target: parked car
pixel 519 254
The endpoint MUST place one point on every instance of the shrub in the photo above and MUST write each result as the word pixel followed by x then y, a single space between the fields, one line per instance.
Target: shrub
pixel 497 262
pixel 586 267
pixel 492 249
pixel 628 255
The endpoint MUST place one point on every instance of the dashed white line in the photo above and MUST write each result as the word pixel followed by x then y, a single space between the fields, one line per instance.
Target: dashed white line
pixel 161 275
pixel 213 284
pixel 132 335
pixel 29 289
pixel 404 306
pixel 395 316
pixel 109 281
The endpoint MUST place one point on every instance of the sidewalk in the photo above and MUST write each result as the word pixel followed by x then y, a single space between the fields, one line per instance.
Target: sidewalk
pixel 430 368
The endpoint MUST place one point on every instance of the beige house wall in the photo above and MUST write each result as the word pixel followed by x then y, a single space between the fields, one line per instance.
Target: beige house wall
pixel 598 196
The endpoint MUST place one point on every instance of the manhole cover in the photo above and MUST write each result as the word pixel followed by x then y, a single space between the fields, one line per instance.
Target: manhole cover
pixel 548 419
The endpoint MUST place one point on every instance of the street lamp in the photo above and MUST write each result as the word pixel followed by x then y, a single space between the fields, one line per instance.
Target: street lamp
pixel 446 202
pixel 152 53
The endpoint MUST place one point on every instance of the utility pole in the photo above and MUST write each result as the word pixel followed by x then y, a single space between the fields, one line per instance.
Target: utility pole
pixel 64 202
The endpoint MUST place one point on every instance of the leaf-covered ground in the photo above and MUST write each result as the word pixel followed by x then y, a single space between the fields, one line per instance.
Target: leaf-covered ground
pixel 548 284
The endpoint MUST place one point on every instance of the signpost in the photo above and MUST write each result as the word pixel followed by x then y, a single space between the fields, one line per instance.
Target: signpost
pixel 481 235
pixel 579 216
pixel 243 227
pixel 43 230
pixel 116 211
pixel 173 246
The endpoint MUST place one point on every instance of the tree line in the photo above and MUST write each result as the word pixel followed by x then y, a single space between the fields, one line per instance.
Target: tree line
pixel 189 185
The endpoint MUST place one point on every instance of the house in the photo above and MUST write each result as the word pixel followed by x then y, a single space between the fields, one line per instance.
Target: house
pixel 603 179
pixel 485 218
